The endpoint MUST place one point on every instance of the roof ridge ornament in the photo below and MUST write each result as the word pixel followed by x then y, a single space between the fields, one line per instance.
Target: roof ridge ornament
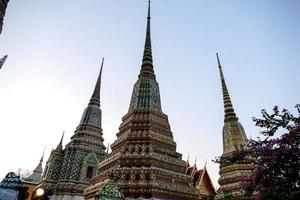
pixel 195 163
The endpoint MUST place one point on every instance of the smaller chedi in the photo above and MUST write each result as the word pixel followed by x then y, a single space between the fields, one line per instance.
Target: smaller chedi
pixel 69 170
pixel 234 138
pixel 31 181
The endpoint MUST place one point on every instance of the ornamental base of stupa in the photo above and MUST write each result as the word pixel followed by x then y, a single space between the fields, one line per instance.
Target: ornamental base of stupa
pixel 236 195
pixel 230 181
pixel 143 193
pixel 152 187
pixel 66 197
pixel 67 190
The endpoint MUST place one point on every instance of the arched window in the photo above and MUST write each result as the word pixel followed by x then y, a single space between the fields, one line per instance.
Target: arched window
pixel 89 172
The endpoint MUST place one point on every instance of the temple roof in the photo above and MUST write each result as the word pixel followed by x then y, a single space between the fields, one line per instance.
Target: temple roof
pixel 197 175
pixel 200 175
pixel 11 181
pixel 36 175
pixel 191 170
pixel 187 164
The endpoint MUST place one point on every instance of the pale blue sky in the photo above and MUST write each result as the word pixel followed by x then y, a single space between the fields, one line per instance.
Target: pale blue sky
pixel 55 48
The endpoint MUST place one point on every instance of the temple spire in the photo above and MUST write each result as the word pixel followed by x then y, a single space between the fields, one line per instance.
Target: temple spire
pixel 234 138
pixel 92 113
pixel 60 145
pixel 95 99
pixel 228 108
pixel 42 158
pixel 145 94
pixel 147 65
pixel 36 175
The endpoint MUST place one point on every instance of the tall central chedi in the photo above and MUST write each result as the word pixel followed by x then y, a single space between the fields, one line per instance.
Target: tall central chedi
pixel 234 138
pixel 144 160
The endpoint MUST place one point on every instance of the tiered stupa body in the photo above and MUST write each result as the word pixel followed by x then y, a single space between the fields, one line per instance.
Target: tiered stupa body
pixel 69 170
pixel 144 156
pixel 234 138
